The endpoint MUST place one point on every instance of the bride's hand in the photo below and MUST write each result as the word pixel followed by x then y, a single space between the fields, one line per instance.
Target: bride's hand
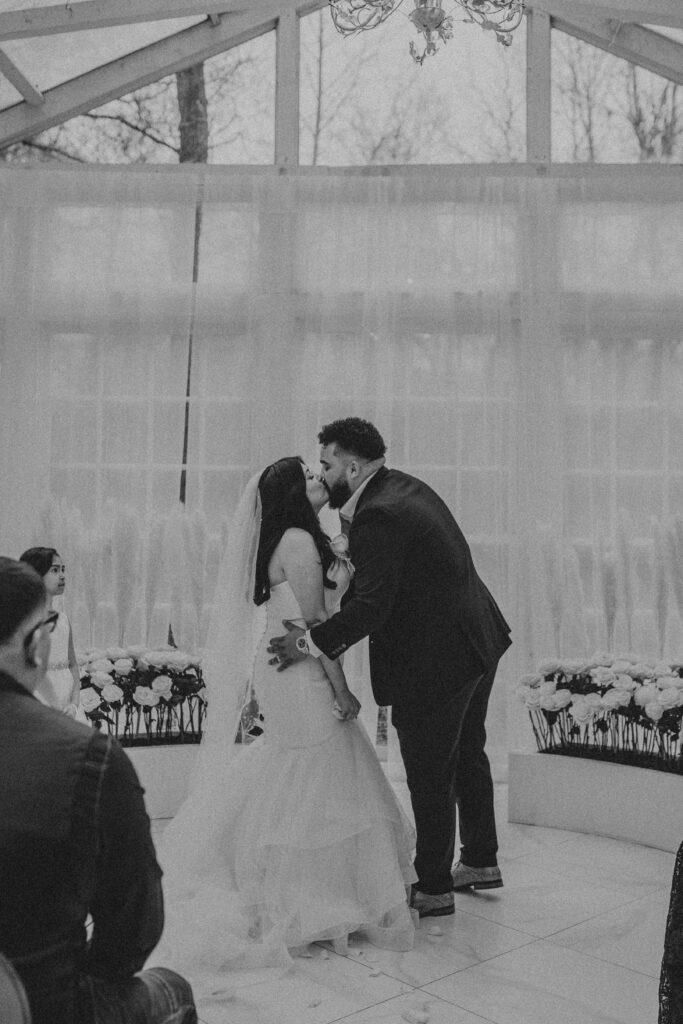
pixel 348 704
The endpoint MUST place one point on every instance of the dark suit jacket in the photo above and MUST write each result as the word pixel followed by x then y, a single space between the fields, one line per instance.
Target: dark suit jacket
pixel 416 594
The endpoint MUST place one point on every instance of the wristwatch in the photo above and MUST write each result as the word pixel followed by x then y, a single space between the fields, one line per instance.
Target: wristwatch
pixel 302 645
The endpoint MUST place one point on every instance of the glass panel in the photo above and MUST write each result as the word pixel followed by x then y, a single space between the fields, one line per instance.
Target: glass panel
pixel 143 127
pixel 365 101
pixel 74 431
pixel 606 110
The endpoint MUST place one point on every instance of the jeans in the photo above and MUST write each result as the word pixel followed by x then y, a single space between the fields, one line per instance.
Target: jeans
pixel 155 996
pixel 442 747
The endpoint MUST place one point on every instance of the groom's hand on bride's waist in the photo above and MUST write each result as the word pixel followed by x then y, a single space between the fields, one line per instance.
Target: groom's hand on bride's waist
pixel 284 648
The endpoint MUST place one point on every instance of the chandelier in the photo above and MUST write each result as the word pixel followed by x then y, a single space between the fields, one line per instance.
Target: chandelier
pixel 501 17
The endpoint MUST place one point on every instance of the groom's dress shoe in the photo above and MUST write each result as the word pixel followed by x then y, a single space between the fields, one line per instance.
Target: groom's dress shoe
pixel 465 877
pixel 428 905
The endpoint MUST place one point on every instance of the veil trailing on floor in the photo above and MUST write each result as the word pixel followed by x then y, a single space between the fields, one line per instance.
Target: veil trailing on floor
pixel 204 923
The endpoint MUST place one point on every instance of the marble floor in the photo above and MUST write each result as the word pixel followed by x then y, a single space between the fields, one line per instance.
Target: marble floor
pixel 574 937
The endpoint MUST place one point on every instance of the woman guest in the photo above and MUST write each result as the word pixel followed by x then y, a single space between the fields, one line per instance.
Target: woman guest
pixel 61 688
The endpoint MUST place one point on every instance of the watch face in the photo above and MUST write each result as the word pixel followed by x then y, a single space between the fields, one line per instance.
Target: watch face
pixel 301 645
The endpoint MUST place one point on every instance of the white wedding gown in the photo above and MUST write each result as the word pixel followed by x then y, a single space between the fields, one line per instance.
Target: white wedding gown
pixel 305 832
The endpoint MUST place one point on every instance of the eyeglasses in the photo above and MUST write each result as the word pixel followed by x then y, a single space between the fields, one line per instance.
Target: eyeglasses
pixel 47 623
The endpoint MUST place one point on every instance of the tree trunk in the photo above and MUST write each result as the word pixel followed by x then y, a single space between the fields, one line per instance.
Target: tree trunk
pixel 194 124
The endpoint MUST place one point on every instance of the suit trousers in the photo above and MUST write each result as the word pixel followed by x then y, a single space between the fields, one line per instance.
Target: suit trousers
pixel 442 747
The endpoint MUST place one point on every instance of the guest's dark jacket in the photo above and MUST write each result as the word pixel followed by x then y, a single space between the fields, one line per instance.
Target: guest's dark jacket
pixel 431 621
pixel 74 840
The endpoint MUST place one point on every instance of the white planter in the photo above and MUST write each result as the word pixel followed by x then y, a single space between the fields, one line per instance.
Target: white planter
pixel 164 772
pixel 636 804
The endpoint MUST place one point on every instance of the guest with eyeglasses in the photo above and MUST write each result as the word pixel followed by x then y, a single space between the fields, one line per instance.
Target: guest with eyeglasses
pixel 62 686
pixel 75 846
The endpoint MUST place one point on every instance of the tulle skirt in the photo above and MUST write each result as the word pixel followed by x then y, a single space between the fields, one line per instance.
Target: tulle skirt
pixel 304 844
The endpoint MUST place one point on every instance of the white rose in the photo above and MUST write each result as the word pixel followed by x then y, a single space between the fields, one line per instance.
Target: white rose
pixel 582 712
pixel 90 699
pixel 654 711
pixel 114 653
pixel 145 696
pixel 603 676
pixel 671 697
pixel 563 698
pixel 616 699
pixel 600 658
pixel 100 679
pixel 532 697
pixel 641 670
pixel 549 668
pixel 624 682
pixel 665 681
pixel 547 701
pixel 594 699
pixel 574 667
pixel 532 680
pixel 111 693
pixel 646 694
pixel 162 685
pixel 123 666
pixel 339 545
pixel 135 651
pixel 153 659
pixel 101 665
pixel 662 668
pixel 622 665
pixel 178 661
pixel 547 688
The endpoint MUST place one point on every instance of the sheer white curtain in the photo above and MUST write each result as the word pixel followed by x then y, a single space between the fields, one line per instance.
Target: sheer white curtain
pixel 517 339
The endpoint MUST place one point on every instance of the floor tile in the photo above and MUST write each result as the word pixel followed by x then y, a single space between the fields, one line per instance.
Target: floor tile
pixel 442 946
pixel 541 902
pixel 544 984
pixel 314 990
pixel 631 936
pixel 412 1009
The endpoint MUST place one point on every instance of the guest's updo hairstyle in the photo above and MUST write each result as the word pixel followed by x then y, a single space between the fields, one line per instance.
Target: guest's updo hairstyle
pixel 355 436
pixel 284 504
pixel 21 591
pixel 39 559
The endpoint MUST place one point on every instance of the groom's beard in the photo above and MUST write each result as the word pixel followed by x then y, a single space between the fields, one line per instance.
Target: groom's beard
pixel 339 494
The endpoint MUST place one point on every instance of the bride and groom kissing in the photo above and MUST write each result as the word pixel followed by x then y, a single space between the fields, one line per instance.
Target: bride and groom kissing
pixel 302 824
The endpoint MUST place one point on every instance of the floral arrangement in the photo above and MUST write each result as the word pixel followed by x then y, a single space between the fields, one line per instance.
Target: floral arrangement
pixel 614 709
pixel 144 696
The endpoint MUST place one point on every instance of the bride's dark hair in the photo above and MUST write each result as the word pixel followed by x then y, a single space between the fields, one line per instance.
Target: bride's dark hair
pixel 284 504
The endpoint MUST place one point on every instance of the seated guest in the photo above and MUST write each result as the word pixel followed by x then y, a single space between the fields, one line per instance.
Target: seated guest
pixel 75 843
pixel 61 687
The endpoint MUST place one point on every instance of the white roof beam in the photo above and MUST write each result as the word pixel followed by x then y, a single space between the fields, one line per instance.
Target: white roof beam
pixel 538 88
pixel 122 76
pixel 649 12
pixel 634 43
pixel 96 14
pixel 287 90
pixel 18 79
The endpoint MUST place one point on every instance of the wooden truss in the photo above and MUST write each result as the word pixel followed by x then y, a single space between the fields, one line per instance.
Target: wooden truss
pixel 616 26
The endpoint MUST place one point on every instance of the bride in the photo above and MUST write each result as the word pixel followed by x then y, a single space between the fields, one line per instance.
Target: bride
pixel 297 837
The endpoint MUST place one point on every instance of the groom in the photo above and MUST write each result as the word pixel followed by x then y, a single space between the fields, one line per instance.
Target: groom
pixel 435 637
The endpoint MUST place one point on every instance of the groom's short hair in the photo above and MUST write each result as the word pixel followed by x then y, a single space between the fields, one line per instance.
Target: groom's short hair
pixel 356 436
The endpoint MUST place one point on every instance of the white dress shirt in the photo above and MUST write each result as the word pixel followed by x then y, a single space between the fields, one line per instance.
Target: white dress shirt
pixel 346 514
